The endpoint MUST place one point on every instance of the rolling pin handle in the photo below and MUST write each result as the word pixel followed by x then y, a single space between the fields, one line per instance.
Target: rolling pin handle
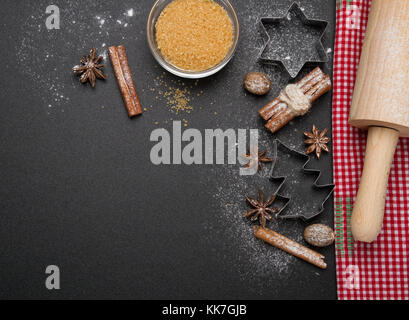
pixel 368 211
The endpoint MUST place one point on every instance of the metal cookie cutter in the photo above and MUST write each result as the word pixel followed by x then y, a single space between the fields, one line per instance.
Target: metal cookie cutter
pixel 287 44
pixel 298 188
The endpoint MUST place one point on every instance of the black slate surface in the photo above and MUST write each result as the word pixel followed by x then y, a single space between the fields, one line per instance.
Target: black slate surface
pixel 78 189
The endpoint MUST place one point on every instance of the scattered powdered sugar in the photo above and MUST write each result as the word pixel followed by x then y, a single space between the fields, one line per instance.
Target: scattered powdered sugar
pixel 130 13
pixel 47 63
pixel 101 21
pixel 264 259
pixel 39 66
pixel 260 263
pixel 109 20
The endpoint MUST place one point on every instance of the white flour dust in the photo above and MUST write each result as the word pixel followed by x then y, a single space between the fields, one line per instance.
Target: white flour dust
pixel 263 259
pixel 46 56
pixel 258 263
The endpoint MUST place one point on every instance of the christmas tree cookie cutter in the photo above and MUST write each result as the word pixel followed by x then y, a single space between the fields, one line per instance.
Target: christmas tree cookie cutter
pixel 290 30
pixel 296 183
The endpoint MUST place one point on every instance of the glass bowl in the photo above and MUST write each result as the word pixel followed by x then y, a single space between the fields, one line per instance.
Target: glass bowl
pixel 153 17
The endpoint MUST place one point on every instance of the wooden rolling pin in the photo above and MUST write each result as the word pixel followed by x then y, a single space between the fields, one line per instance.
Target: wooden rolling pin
pixel 381 105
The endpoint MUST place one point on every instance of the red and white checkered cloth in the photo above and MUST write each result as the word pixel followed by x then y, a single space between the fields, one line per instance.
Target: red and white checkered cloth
pixel 365 271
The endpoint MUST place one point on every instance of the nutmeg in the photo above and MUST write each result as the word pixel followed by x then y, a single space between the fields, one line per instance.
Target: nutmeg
pixel 319 235
pixel 257 83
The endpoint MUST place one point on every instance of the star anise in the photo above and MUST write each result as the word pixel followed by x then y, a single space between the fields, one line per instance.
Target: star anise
pixel 317 141
pixel 255 157
pixel 261 210
pixel 90 68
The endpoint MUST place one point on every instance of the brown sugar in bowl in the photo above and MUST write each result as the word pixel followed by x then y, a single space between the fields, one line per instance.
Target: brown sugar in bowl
pixel 193 38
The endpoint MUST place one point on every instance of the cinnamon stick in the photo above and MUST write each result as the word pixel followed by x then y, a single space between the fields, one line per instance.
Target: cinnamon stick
pixel 306 83
pixel 322 87
pixel 311 79
pixel 280 119
pixel 123 75
pixel 279 241
pixel 270 109
pixel 278 114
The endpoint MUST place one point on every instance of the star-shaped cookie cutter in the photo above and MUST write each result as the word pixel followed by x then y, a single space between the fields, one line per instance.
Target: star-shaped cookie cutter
pixel 294 8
